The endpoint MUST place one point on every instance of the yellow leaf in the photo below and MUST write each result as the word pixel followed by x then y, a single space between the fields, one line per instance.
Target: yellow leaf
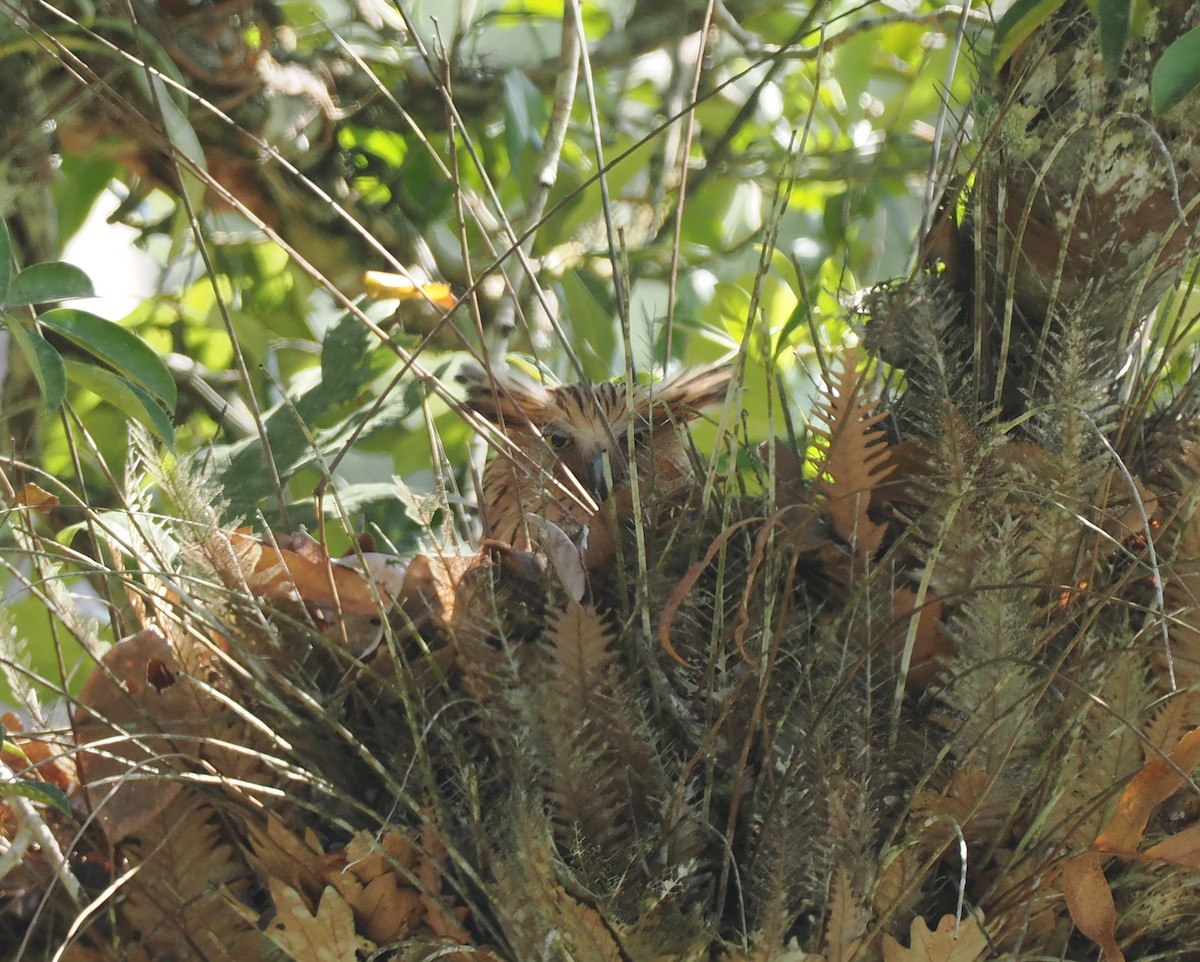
pixel 381 285
pixel 940 946
pixel 37 498
pixel 327 936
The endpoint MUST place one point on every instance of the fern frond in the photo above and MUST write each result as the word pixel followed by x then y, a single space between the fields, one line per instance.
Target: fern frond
pixel 855 460
pixel 180 903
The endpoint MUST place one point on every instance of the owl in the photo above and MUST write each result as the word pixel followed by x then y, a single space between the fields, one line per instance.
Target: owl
pixel 570 453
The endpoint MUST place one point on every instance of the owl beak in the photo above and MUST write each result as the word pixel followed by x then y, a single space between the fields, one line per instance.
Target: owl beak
pixel 597 483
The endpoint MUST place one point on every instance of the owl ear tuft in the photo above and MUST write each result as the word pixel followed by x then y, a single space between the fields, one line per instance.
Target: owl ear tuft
pixel 683 396
pixel 504 399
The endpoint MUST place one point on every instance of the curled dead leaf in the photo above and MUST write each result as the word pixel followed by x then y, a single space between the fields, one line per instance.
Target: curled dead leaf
pixel 1090 902
pixel 140 716
pixel 37 498
pixel 1158 780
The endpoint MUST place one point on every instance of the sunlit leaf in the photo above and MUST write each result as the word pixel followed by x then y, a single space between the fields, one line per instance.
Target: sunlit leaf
pixel 1177 72
pixel 183 137
pixel 51 281
pixel 39 792
pixel 380 284
pixel 38 498
pixel 5 261
pixel 128 398
pixel 117 347
pixel 1018 22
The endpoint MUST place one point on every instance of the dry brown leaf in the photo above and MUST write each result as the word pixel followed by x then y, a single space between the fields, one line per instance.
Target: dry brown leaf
pixel 132 704
pixel 387 910
pixel 930 643
pixel 369 858
pixel 283 575
pixel 1090 902
pixel 847 919
pixel 37 498
pixel 941 945
pixel 327 935
pixel 442 917
pixel 385 904
pixel 278 852
pixel 182 901
pixel 432 586
pixel 1177 716
pixel 581 652
pixel 43 760
pixel 856 460
pixel 1182 848
pixel 538 911
pixel 1154 784
pixel 897 884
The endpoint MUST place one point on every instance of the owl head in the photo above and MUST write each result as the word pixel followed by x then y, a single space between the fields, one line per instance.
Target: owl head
pixel 571 442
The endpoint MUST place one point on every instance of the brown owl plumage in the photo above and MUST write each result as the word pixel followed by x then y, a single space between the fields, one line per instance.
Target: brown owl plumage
pixel 568 449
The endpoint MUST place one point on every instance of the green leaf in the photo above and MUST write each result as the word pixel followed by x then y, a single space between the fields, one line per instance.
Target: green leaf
pixel 1018 22
pixel 117 347
pixel 51 281
pixel 1177 72
pixel 525 118
pixel 1114 17
pixel 128 398
pixel 43 360
pixel 39 792
pixel 5 261
pixel 798 317
pixel 183 137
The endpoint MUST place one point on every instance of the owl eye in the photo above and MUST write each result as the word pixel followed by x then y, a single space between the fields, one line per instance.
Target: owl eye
pixel 558 442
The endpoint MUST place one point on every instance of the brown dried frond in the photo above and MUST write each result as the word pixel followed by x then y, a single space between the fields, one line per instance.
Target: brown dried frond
pixel 537 910
pixel 373 892
pixel 598 768
pixel 856 457
pixel 180 902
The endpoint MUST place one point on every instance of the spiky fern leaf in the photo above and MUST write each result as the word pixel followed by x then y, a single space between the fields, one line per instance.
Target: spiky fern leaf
pixel 855 458
pixel 602 774
pixel 180 901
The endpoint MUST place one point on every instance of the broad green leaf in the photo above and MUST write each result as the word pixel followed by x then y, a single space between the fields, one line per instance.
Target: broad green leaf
pixel 1114 17
pixel 1018 22
pixel 524 120
pixel 1139 11
pixel 51 281
pixel 183 137
pixel 39 792
pixel 799 316
pixel 5 261
pixel 1177 72
pixel 127 398
pixel 117 347
pixel 43 360
pixel 79 182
